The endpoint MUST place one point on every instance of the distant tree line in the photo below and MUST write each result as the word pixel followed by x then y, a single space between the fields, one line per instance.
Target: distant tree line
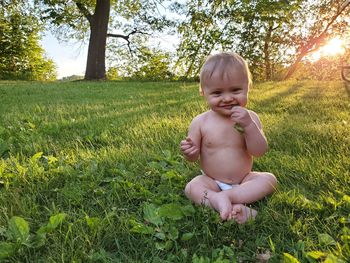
pixel 273 35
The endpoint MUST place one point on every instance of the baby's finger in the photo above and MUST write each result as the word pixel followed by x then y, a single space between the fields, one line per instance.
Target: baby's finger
pixel 188 139
pixel 193 152
pixel 185 142
pixel 185 147
pixel 190 150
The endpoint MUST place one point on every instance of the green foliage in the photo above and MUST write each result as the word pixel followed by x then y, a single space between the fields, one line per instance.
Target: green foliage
pixel 257 30
pixel 269 34
pixel 148 64
pixel 112 74
pixel 21 56
pixel 18 235
pixel 95 173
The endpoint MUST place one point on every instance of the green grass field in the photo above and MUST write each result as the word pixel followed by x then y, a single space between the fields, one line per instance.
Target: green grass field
pixel 92 172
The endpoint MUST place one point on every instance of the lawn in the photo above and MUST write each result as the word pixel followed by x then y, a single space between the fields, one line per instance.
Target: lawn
pixel 92 172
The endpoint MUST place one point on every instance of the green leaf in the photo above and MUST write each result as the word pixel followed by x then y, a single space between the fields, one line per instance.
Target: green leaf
pixel 7 249
pixel 164 245
pixel 188 210
pixel 160 236
pixel 187 236
pixel 172 211
pixel 333 259
pixel 18 230
pixel 56 220
pixel 173 233
pixel 39 239
pixel 92 222
pixel 151 214
pixel 36 156
pixel 238 128
pixel 326 240
pixel 346 198
pixel 316 254
pixel 288 258
pixel 160 246
pixel 141 228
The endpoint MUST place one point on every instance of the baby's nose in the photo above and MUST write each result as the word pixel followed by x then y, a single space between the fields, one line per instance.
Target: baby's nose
pixel 227 97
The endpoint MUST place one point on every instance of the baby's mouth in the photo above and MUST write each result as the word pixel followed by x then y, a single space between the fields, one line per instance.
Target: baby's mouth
pixel 229 106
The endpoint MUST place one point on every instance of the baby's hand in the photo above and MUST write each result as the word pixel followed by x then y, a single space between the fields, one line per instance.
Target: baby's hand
pixel 189 149
pixel 241 116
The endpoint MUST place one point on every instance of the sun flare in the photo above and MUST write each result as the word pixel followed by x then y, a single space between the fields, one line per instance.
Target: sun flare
pixel 333 47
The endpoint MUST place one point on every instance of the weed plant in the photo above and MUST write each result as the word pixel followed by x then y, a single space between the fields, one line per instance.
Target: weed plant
pixel 92 172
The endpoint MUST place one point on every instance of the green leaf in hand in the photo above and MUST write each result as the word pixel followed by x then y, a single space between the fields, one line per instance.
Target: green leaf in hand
pixel 238 128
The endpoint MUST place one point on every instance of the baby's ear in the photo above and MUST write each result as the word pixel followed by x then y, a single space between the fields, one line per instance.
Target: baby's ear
pixel 200 90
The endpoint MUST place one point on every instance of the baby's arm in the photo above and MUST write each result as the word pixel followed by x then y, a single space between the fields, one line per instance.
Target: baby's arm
pixel 254 136
pixel 190 147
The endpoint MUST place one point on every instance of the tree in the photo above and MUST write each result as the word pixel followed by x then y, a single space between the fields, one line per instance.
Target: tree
pixel 327 22
pixel 75 18
pixel 21 55
pixel 254 29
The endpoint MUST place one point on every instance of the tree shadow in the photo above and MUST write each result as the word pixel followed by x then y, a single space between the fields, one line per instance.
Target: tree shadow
pixel 271 103
pixel 347 87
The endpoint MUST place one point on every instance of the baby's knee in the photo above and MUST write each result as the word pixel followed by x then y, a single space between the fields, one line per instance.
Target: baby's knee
pixel 188 189
pixel 271 179
pixel 191 185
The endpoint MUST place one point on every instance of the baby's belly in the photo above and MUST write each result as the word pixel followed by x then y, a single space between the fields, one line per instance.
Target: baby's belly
pixel 229 166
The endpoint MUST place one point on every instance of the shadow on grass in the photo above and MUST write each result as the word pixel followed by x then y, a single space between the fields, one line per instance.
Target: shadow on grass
pixel 347 87
pixel 270 104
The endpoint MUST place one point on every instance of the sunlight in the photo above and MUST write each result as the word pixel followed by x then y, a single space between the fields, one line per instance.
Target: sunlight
pixel 334 47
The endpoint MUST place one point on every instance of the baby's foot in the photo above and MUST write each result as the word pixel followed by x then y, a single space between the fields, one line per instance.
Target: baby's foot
pixel 242 213
pixel 221 203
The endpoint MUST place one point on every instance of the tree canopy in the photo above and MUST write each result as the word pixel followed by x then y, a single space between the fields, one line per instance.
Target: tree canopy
pixel 270 34
pixel 21 55
pixel 100 19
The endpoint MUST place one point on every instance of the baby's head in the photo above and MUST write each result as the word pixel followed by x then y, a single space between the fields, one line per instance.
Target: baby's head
pixel 224 66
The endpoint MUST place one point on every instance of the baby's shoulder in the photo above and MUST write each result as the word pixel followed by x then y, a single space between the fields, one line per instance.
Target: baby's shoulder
pixel 201 117
pixel 253 114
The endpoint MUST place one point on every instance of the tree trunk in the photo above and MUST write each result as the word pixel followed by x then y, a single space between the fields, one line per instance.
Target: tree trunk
pixel 294 66
pixel 267 62
pixel 95 65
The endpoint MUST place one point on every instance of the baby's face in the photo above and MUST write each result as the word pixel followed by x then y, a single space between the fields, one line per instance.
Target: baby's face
pixel 223 93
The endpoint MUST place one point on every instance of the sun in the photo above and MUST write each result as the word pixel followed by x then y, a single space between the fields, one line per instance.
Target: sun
pixel 333 47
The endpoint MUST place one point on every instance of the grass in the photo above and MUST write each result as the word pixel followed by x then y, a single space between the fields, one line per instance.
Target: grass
pixel 91 172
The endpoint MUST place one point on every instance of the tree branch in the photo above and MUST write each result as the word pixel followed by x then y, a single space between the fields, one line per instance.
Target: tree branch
pixel 315 42
pixel 127 37
pixel 84 11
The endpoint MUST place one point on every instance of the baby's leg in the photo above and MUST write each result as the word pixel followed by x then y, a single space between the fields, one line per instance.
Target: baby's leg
pixel 204 190
pixel 255 186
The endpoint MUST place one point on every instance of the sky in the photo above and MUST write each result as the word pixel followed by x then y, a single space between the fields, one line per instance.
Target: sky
pixel 70 58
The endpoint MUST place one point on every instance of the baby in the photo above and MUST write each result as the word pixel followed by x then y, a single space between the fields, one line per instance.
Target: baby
pixel 225 139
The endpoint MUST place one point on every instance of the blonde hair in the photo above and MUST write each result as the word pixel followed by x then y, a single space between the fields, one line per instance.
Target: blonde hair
pixel 224 63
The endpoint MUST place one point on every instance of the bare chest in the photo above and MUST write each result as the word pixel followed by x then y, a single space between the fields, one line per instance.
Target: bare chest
pixel 222 135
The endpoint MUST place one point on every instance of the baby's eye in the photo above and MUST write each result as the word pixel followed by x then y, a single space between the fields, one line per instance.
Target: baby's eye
pixel 216 93
pixel 236 91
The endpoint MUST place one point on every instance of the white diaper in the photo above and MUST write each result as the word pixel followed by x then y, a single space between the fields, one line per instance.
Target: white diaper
pixel 225 186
